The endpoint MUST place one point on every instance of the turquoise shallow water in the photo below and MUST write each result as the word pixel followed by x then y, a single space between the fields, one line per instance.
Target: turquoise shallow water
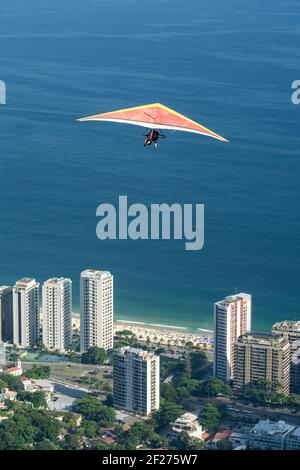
pixel 228 66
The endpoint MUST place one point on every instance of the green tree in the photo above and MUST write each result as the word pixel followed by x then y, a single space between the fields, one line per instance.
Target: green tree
pixel 90 428
pixel 168 392
pixel 210 417
pixel 28 427
pixel 39 345
pixel 94 355
pixel 11 382
pixel 45 444
pixel 10 441
pixel 262 391
pixel 198 362
pixel 3 386
pixel 189 345
pixel 293 402
pixel 46 425
pixel 167 413
pixel 91 408
pixel 99 445
pixel 184 442
pixel 39 372
pixel 213 387
pixel 142 433
pixel 36 398
pixel 187 366
pixel 72 442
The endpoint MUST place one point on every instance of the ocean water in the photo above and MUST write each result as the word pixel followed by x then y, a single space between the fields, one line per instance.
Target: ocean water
pixel 230 66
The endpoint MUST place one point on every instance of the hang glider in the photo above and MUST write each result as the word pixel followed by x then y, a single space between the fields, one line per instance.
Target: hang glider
pixel 155 116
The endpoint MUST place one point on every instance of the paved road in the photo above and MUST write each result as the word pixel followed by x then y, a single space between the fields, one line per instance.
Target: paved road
pixel 68 391
pixel 262 412
pixel 62 365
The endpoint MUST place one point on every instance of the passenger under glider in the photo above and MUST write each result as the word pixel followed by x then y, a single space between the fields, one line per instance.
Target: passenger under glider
pixel 155 116
pixel 152 137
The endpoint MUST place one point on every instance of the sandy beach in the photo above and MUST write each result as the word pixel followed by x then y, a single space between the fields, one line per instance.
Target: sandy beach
pixel 160 334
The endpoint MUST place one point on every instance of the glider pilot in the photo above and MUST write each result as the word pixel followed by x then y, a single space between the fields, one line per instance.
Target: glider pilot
pixel 152 136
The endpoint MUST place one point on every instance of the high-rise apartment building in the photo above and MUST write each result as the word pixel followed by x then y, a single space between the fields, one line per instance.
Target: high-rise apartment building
pixel 57 314
pixel 262 356
pixel 136 380
pixel 292 330
pixel 232 318
pixel 96 309
pixel 6 314
pixel 26 312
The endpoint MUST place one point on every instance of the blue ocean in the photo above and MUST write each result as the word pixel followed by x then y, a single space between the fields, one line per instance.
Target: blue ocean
pixel 228 65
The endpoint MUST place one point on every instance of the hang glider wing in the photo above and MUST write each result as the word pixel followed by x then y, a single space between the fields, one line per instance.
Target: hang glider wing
pixel 155 116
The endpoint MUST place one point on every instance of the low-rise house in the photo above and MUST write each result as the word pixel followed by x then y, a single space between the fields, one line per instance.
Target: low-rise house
pixel 8 395
pixel 108 437
pixel 269 435
pixel 214 442
pixel 16 371
pixel 38 385
pixel 188 422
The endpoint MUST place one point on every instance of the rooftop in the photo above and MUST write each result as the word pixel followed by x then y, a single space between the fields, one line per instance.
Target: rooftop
pixel 26 282
pixel 272 428
pixel 265 339
pixel 95 274
pixel 219 436
pixel 135 351
pixel 4 288
pixel 287 325
pixel 56 281
pixel 234 298
pixel 186 418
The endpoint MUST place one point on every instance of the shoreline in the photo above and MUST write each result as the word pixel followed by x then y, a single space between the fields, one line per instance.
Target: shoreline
pixel 184 329
pixel 160 333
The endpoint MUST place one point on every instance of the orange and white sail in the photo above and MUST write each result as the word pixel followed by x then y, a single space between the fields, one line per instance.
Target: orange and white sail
pixel 155 116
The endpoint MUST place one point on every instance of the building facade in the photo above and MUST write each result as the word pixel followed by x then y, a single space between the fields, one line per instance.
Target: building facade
pixel 26 312
pixel 262 356
pixel 232 318
pixel 136 380
pixel 293 440
pixel 57 314
pixel 188 423
pixel 96 309
pixel 6 314
pixel 292 330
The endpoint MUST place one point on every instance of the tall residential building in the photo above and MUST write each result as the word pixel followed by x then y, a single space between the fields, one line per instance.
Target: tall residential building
pixel 6 314
pixel 292 330
pixel 96 309
pixel 136 380
pixel 26 312
pixel 262 356
pixel 57 314
pixel 232 318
